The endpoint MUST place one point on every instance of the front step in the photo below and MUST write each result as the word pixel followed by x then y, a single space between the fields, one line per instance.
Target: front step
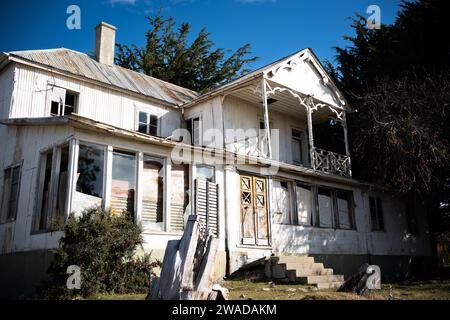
pixel 302 269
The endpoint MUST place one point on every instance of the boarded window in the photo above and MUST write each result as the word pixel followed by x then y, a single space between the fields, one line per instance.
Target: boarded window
pixel 376 214
pixel 325 204
pixel 148 123
pixel 206 204
pixel 304 205
pixel 297 156
pixel 123 184
pixel 179 198
pixel 153 193
pixel 11 188
pixel 281 201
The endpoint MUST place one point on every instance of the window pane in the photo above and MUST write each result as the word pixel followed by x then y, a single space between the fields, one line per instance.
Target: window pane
pixel 62 187
pixel 344 210
pixel 281 201
pixel 196 131
pixel 205 172
pixel 296 151
pixel 153 193
pixel 54 111
pixel 325 208
pixel 123 185
pixel 179 198
pixel 143 128
pixel 304 206
pixel 143 117
pixel 90 170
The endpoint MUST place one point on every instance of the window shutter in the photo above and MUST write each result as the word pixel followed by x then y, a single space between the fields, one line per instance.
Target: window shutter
pixel 206 204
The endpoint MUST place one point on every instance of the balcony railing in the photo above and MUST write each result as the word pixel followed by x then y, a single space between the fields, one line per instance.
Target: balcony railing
pixel 331 162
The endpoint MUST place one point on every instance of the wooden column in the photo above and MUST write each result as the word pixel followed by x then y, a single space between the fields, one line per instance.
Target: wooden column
pixel 266 117
pixel 347 148
pixel 310 133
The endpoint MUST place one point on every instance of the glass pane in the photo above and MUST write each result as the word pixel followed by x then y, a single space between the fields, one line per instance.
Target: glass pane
pixel 281 202
pixel 90 170
pixel 143 128
pixel 179 198
pixel 62 187
pixel 344 210
pixel 196 131
pixel 54 111
pixel 143 117
pixel 47 163
pixel 153 193
pixel 205 172
pixel 123 185
pixel 325 208
pixel 304 206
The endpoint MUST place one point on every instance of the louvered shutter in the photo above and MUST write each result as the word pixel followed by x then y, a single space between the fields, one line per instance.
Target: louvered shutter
pixel 206 204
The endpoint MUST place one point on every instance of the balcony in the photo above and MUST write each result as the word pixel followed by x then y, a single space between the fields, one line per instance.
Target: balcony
pixel 331 162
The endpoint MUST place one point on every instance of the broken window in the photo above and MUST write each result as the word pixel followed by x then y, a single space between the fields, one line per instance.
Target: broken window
pixel 44 189
pixel 11 186
pixel 89 179
pixel 123 184
pixel 61 191
pixel 281 202
pixel 193 127
pixel 153 193
pixel 148 123
pixel 297 156
pixel 63 102
pixel 179 198
pixel 205 172
pixel 304 205
pixel 376 214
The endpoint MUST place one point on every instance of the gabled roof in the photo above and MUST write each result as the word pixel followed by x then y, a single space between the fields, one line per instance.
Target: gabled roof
pixel 80 64
pixel 264 71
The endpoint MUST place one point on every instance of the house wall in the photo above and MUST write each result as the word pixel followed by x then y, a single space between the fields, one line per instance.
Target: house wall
pixel 33 93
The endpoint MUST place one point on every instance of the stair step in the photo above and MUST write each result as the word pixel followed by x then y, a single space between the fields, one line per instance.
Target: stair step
pixel 302 266
pixel 324 279
pixel 314 272
pixel 329 285
pixel 296 259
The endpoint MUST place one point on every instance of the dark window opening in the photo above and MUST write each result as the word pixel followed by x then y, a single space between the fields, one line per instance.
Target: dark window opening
pixel 376 214
pixel 193 127
pixel 148 123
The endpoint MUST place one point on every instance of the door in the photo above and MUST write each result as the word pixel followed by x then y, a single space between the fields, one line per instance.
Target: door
pixel 254 217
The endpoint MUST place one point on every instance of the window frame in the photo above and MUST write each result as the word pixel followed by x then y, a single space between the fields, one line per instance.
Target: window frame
pixel 148 123
pixel 300 140
pixel 335 224
pixel 191 132
pixel 5 214
pixel 62 106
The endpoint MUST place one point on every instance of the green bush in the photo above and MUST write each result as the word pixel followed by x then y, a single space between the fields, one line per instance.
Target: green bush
pixel 103 246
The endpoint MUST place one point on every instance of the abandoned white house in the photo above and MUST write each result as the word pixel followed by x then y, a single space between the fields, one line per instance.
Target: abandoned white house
pixel 78 132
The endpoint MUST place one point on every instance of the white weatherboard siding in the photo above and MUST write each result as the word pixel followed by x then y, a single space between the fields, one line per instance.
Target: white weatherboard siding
pixel 33 91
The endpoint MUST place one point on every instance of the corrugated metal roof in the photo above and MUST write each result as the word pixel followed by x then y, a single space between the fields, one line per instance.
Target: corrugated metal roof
pixel 80 64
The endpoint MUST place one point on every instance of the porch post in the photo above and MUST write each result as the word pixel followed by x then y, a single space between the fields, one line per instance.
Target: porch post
pixel 266 117
pixel 310 134
pixel 347 148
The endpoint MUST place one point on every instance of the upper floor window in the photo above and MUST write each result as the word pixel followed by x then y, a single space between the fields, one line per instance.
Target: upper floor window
pixel 193 126
pixel 63 102
pixel 148 123
pixel 376 214
pixel 11 186
pixel 297 156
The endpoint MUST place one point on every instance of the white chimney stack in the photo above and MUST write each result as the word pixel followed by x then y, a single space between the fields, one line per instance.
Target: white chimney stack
pixel 105 40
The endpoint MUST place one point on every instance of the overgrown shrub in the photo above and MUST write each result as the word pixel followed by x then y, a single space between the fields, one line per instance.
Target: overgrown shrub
pixel 103 246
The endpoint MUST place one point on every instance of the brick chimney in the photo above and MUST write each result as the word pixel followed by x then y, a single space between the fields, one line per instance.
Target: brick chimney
pixel 105 37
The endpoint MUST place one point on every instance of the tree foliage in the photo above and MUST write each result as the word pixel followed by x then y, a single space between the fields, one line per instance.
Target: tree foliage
pixel 103 246
pixel 168 55
pixel 397 78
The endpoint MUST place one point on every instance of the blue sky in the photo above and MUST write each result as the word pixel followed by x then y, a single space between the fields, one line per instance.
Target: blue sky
pixel 274 28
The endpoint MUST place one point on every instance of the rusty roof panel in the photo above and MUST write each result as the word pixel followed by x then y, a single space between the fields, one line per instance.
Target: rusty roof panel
pixel 80 64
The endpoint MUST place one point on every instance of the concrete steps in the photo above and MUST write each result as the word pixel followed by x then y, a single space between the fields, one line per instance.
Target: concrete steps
pixel 302 269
